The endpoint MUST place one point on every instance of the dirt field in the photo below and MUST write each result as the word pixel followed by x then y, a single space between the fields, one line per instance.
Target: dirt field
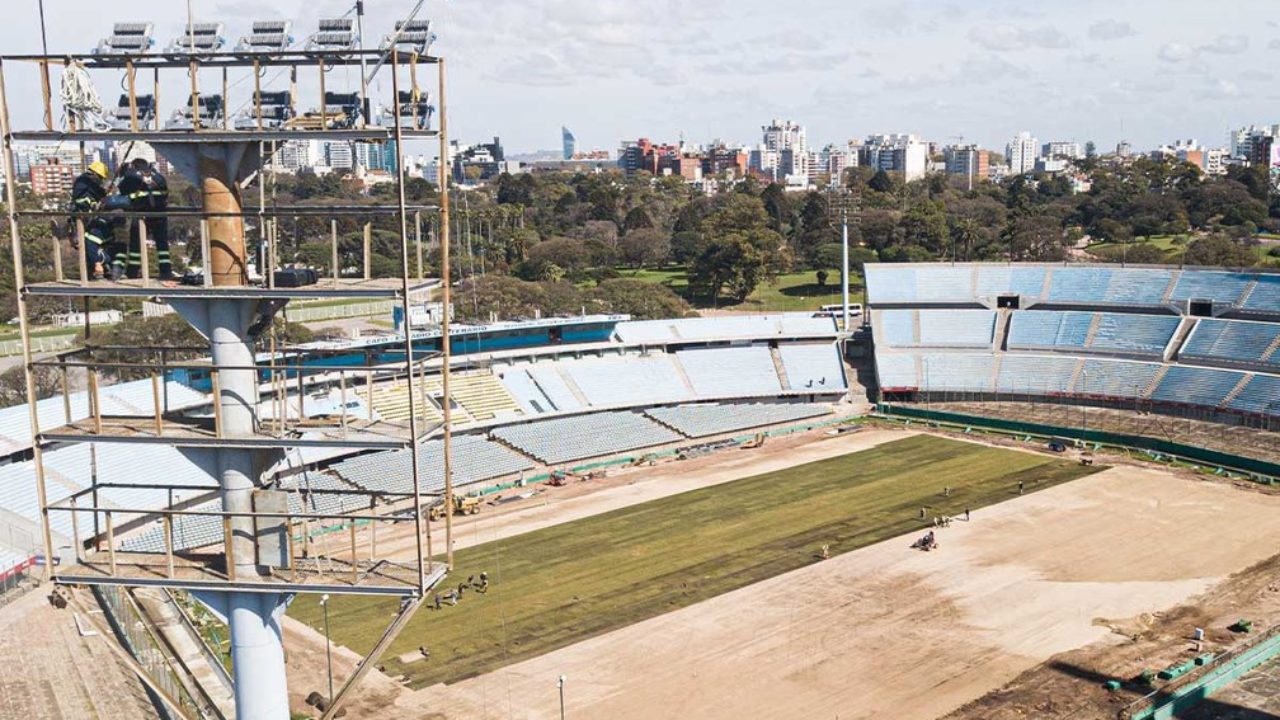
pixel 884 631
pixel 559 585
pixel 49 672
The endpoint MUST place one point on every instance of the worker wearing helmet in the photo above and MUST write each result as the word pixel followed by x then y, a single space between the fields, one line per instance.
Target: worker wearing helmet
pixel 146 190
pixel 87 193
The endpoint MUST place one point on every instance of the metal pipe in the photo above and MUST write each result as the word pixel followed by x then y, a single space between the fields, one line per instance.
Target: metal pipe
pixel 15 244
pixel 408 334
pixel 447 412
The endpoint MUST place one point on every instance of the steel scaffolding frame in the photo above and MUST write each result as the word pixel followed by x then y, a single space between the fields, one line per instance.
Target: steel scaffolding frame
pixel 207 574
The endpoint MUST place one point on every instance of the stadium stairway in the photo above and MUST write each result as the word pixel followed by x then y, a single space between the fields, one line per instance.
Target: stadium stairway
pixel 576 391
pixel 779 367
pixel 1179 337
pixel 1001 336
pixel 1272 350
pixel 1092 333
pixel 1239 388
pixel 1155 381
pixel 684 376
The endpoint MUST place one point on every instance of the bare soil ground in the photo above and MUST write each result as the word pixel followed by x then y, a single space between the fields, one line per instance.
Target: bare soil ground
pixel 49 672
pixel 1251 442
pixel 1065 575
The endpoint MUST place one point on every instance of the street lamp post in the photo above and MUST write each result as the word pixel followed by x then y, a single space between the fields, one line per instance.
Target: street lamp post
pixel 1084 406
pixel 560 687
pixel 328 646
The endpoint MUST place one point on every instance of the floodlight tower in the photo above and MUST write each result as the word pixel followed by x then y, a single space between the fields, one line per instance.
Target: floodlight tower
pixel 257 566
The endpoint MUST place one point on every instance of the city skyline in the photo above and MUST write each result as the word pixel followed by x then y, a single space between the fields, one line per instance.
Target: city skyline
pixel 940 70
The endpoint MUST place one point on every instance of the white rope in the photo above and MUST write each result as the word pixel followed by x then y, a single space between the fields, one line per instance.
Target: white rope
pixel 80 99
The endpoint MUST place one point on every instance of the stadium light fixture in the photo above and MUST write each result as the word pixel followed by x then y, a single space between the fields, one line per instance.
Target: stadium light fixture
pixel 127 38
pixel 410 36
pixel 334 34
pixel 199 39
pixel 267 36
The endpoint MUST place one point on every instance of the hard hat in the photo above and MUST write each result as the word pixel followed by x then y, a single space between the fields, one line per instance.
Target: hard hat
pixel 99 168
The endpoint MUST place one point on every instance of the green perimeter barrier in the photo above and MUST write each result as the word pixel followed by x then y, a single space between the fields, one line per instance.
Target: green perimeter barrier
pixel 1225 672
pixel 1152 446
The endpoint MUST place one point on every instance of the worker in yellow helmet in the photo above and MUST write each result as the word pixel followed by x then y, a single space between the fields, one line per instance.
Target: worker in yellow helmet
pixel 89 196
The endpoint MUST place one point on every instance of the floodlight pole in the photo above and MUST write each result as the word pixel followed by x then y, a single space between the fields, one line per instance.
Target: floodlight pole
pixel 328 644
pixel 364 80
pixel 844 262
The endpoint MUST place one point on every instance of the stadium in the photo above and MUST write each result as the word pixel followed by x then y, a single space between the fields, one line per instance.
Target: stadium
pixel 694 500
pixel 996 491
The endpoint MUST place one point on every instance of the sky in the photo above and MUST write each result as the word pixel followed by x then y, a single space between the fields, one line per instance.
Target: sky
pixel 610 70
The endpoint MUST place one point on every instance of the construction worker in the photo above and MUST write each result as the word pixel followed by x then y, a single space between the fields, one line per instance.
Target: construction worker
pixel 158 225
pixel 146 190
pixel 87 195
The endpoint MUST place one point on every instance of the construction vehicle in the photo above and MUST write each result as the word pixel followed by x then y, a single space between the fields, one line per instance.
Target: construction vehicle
pixel 462 505
pixel 754 442
pixel 559 478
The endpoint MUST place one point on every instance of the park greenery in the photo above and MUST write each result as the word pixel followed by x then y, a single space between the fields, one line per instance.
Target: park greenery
pixel 651 246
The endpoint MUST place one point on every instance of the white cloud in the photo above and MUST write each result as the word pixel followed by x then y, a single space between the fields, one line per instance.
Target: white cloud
pixel 1176 52
pixel 1004 37
pixel 1111 30
pixel 1274 44
pixel 1226 45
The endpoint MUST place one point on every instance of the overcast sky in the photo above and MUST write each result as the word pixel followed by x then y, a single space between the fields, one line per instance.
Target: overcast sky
pixel 1104 70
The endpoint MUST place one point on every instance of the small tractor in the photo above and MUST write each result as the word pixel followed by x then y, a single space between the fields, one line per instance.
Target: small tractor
pixel 462 505
pixel 754 442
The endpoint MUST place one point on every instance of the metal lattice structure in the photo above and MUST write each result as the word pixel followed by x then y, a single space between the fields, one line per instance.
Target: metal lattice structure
pixel 259 547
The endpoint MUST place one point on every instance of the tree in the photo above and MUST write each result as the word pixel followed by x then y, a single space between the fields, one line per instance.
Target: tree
pixel 637 218
pixel 1090 149
pixel 13 385
pixel 637 298
pixel 821 276
pixel 1219 250
pixel 881 182
pixel 645 247
pixel 729 263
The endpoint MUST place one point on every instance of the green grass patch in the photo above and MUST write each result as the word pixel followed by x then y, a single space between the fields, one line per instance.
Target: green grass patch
pixel 786 293
pixel 560 585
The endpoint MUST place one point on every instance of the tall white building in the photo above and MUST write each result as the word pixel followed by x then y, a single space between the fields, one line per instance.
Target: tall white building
pixel 1246 141
pixel 1062 149
pixel 896 152
pixel 295 155
pixel 1022 152
pixel 784 135
pixel 338 155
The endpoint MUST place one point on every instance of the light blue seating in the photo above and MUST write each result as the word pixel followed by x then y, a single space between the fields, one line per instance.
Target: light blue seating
pixel 731 372
pixel 1138 286
pixel 995 280
pixel 813 367
pixel 957 372
pixel 630 380
pixel 957 328
pixel 1135 334
pixel 1265 296
pixel 1196 386
pixel 1079 285
pixel 1115 378
pixel 1233 341
pixel 1048 329
pixel 888 283
pixel 547 377
pixel 1222 287
pixel 713 419
pixel 475 458
pixel 580 437
pixel 1260 397
pixel 897 327
pixel 526 392
pixel 721 327
pixel 938 328
pixel 896 371
pixel 1036 374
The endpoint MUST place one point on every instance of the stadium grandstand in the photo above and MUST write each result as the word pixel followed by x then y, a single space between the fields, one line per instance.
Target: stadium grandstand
pixel 526 398
pixel 1200 343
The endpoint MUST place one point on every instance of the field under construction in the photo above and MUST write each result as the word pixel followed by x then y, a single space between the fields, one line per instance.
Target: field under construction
pixel 557 586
